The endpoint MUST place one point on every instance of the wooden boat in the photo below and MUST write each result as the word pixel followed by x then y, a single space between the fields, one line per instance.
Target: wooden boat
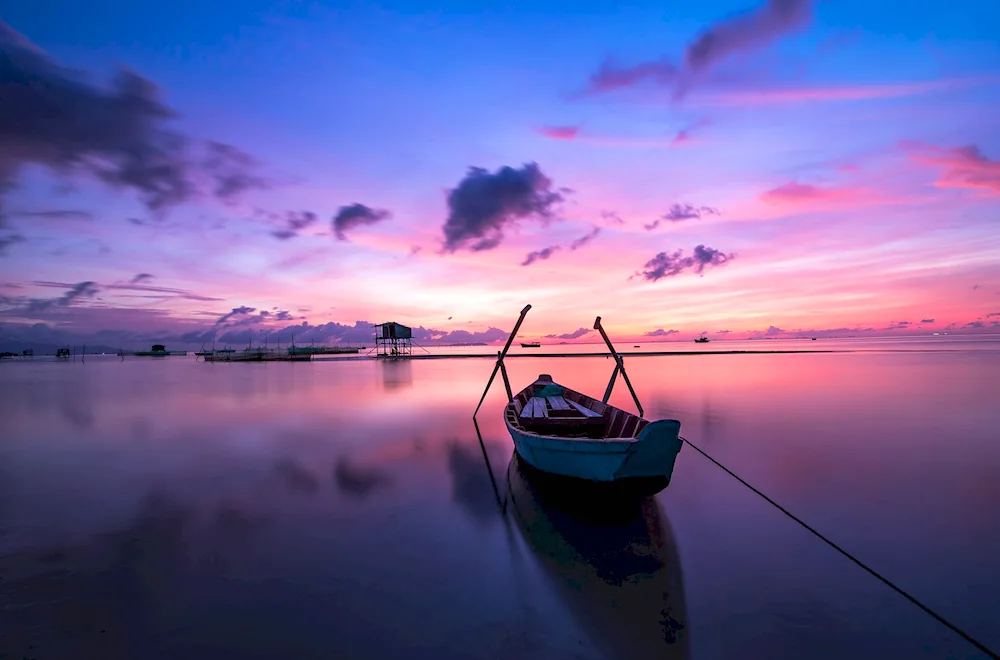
pixel 701 340
pixel 562 432
pixel 530 344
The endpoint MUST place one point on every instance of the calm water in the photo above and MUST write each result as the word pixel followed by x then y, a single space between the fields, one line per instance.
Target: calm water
pixel 175 509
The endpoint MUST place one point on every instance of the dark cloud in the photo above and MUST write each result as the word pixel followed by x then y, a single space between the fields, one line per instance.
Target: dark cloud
pixel 898 325
pixel 168 291
pixel 76 291
pixel 681 212
pixel 356 215
pixel 294 221
pixel 723 332
pixel 611 76
pixel 538 255
pixel 57 214
pixel 484 204
pixel 54 117
pixel 927 320
pixel 744 32
pixel 579 332
pixel 283 315
pixel 236 312
pixel 660 332
pixel 9 240
pixel 977 286
pixel 611 218
pixel 141 277
pixel 974 324
pixel 669 265
pixel 583 240
pixel 747 31
pixel 232 170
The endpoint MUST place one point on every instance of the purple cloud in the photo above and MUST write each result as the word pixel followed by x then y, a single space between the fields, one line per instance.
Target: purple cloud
pixel 484 204
pixel 9 240
pixel 579 332
pixel 583 240
pixel 76 291
pixel 119 135
pixel 681 212
pixel 611 218
pixel 141 277
pixel 660 332
pixel 670 265
pixel 773 330
pixel 744 32
pixel 747 31
pixel 295 222
pixel 927 320
pixel 539 255
pixel 356 215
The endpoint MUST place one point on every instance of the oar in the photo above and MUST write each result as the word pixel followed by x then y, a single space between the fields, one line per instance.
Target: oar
pixel 499 363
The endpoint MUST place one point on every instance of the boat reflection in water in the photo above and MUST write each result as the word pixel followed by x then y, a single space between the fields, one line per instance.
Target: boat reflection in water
pixel 615 564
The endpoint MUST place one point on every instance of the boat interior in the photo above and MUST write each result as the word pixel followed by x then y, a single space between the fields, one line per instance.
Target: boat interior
pixel 547 408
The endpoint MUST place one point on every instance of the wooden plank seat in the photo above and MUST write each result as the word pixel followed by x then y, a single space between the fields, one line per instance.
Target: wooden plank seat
pixel 535 408
pixel 587 412
pixel 557 403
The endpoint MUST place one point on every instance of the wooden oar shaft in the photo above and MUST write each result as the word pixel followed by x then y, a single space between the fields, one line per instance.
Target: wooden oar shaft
pixel 620 366
pixel 510 340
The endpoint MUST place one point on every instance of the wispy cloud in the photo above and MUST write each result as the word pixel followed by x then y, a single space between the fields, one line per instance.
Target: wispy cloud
pixel 680 213
pixel 960 167
pixel 576 334
pixel 539 255
pixel 578 243
pixel 741 33
pixel 660 332
pixel 558 132
pixel 141 277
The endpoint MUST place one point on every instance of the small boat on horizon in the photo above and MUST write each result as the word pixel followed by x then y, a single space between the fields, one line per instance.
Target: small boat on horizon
pixel 586 441
pixel 157 350
pixel 530 344
pixel 701 340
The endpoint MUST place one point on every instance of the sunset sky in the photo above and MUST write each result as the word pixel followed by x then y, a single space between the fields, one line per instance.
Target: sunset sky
pixel 185 170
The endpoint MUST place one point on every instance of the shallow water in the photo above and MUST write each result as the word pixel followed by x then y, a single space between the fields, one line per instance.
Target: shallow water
pixel 168 508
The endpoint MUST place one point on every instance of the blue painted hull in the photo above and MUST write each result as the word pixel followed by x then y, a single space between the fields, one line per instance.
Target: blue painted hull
pixel 645 462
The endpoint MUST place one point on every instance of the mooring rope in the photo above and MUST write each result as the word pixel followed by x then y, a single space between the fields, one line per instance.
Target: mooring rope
pixel 961 633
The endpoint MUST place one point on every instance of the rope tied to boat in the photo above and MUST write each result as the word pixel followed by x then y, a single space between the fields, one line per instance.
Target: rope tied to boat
pixel 940 619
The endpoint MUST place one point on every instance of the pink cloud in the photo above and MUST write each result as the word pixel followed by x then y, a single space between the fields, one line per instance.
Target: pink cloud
pixel 806 195
pixel 760 97
pixel 962 167
pixel 559 132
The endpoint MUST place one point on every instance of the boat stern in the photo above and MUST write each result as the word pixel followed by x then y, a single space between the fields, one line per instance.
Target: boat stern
pixel 654 451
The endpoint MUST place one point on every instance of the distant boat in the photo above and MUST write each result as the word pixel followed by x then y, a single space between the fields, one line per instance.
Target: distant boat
pixel 62 354
pixel 636 346
pixel 701 340
pixel 530 344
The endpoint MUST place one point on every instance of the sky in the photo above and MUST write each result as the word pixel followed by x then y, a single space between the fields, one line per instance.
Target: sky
pixel 185 171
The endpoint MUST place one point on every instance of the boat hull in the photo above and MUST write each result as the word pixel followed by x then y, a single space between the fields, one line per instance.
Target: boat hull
pixel 621 466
